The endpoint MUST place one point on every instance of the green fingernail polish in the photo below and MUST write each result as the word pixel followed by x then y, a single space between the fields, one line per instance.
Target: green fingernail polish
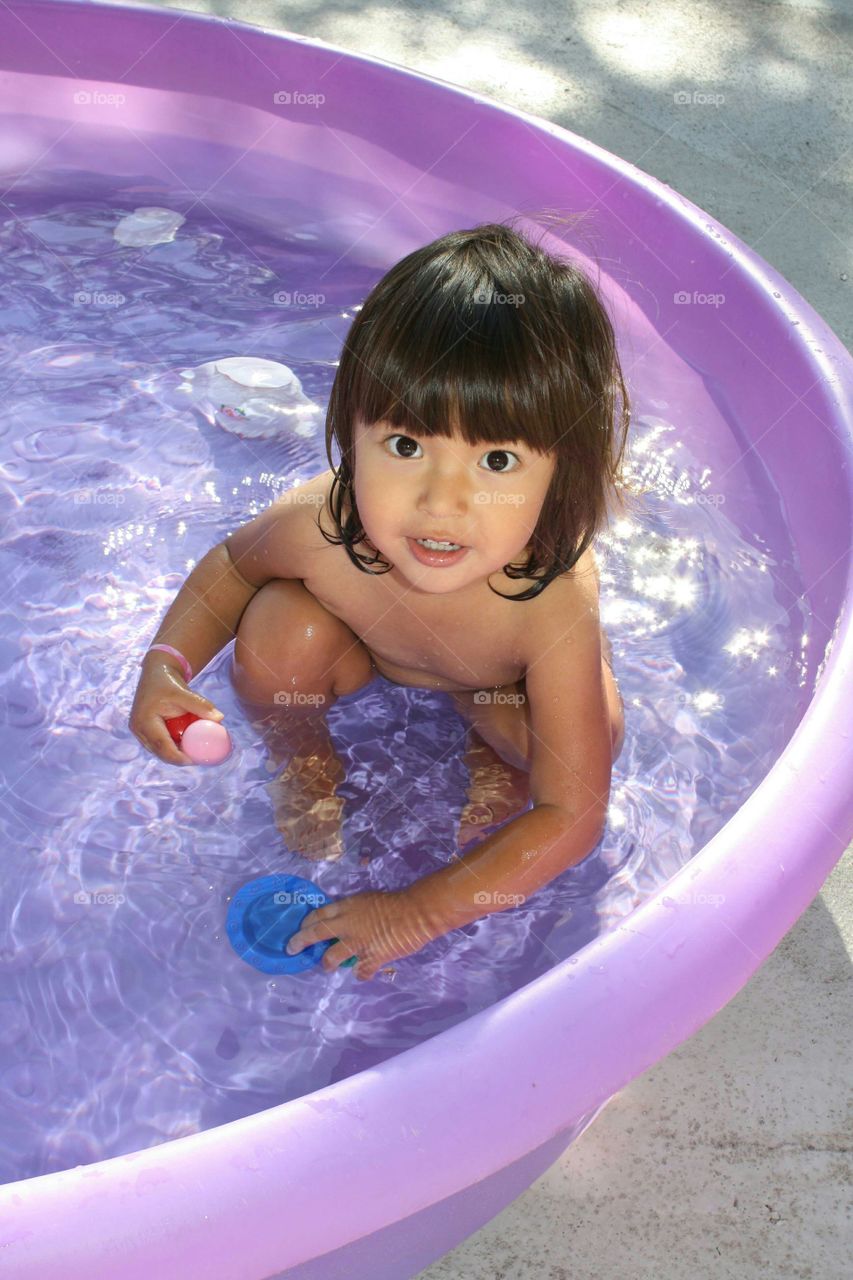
pixel 345 964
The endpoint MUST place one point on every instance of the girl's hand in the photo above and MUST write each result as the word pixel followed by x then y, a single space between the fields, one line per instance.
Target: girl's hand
pixel 375 926
pixel 161 694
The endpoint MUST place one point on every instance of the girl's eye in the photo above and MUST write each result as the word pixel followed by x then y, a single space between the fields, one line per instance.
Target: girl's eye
pixel 408 442
pixel 503 458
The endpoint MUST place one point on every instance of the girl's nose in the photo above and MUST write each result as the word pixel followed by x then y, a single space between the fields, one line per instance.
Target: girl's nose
pixel 443 495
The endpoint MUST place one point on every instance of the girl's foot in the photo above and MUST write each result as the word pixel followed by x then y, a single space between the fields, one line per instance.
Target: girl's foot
pixel 496 790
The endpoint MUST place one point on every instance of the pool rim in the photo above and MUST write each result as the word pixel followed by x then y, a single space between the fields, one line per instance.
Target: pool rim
pixel 358 1122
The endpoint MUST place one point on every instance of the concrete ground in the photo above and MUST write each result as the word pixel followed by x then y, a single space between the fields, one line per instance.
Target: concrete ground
pixel 731 1158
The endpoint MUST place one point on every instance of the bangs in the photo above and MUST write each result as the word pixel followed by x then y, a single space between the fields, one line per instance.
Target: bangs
pixel 454 360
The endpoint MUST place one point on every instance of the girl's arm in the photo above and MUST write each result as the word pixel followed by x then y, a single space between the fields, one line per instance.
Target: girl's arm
pixel 570 772
pixel 207 610
pixel 205 613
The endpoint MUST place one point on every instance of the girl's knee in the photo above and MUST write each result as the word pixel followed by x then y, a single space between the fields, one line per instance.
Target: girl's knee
pixel 502 719
pixel 289 647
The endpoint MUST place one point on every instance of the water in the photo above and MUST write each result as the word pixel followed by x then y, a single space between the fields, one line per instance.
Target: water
pixel 125 1017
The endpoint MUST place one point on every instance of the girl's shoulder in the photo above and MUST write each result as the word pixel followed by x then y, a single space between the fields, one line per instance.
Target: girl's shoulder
pixel 571 593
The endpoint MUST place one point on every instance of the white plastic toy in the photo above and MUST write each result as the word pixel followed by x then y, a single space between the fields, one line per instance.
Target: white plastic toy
pixel 251 397
pixel 148 225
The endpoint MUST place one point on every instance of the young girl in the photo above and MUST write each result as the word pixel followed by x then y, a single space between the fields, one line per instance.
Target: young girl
pixel 481 418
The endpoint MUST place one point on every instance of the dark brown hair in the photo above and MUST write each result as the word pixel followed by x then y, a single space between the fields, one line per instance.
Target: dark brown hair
pixel 483 332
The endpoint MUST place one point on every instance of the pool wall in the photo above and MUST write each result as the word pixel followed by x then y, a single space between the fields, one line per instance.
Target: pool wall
pixel 377 1175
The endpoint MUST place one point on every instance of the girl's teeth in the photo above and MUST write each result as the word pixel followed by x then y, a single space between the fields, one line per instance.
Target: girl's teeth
pixel 439 546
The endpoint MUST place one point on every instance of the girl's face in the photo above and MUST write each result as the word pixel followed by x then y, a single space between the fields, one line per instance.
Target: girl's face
pixel 485 497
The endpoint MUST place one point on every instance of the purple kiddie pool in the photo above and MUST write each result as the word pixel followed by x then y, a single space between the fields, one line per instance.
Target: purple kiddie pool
pixel 181 190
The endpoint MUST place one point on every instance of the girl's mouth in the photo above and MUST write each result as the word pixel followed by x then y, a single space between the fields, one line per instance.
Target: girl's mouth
pixel 436 557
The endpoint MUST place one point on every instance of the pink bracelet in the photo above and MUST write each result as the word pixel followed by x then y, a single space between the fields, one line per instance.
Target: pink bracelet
pixel 167 648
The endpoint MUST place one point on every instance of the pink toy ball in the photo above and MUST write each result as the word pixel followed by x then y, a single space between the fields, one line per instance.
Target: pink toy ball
pixel 206 742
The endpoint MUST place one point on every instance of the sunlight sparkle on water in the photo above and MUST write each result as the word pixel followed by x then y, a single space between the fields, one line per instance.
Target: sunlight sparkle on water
pixel 707 701
pixel 748 642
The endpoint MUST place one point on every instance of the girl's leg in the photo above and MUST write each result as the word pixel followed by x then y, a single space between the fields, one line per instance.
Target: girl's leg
pixel 504 723
pixel 292 653
pixel 292 659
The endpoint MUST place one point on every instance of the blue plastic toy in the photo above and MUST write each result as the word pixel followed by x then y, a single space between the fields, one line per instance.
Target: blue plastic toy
pixel 265 914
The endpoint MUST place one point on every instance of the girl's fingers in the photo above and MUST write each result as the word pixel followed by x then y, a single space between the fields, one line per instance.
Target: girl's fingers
pixel 188 700
pixel 321 915
pixel 210 712
pixel 307 936
pixel 200 706
pixel 163 745
pixel 336 955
